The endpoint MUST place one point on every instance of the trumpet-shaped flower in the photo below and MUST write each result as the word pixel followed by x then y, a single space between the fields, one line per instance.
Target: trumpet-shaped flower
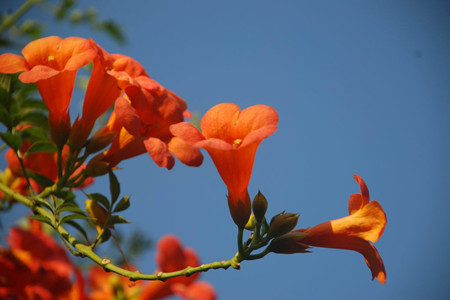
pixel 146 114
pixel 231 137
pixel 365 223
pixel 172 256
pixel 111 74
pixel 52 63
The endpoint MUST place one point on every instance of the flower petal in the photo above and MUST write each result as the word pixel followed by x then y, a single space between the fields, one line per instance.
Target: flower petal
pixel 255 117
pixel 363 187
pixel 187 132
pixel 185 152
pixel 367 223
pixel 200 290
pixel 170 255
pixel 159 152
pixel 258 135
pixel 219 120
pixel 37 73
pixel 370 253
pixel 12 63
pixel 127 116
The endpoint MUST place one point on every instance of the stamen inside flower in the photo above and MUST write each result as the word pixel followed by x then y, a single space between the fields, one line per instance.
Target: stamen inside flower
pixel 51 57
pixel 237 142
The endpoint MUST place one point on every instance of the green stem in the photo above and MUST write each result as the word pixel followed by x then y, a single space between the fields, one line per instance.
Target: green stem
pixel 259 255
pixel 59 162
pixel 10 20
pixel 85 250
pixel 25 174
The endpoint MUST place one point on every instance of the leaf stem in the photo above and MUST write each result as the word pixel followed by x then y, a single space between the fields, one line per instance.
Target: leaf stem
pixel 10 20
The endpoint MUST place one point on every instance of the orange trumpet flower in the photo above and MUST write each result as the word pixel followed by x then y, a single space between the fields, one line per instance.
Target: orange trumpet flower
pixel 52 63
pixel 365 223
pixel 231 137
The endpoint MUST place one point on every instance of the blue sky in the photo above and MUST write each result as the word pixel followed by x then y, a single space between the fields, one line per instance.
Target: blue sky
pixel 360 87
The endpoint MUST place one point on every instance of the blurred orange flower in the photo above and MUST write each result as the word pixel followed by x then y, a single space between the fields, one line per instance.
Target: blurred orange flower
pixel 172 256
pixel 106 285
pixel 365 223
pixel 42 163
pixel 231 137
pixel 36 267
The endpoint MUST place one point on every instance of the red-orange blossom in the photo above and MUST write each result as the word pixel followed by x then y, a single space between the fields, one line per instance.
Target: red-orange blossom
pixel 231 137
pixel 365 223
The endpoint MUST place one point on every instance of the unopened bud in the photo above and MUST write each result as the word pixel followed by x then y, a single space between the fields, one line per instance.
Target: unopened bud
pixel 240 208
pixel 289 243
pixel 282 223
pixel 96 167
pixel 251 223
pixel 97 213
pixel 259 206
pixel 100 140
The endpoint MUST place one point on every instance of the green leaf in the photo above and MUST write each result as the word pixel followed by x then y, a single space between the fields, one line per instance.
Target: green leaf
pixel 100 199
pixel 41 219
pixel 114 187
pixel 116 220
pixel 42 146
pixel 40 179
pixel 44 202
pixel 71 217
pixel 78 227
pixel 33 134
pixel 35 118
pixel 5 90
pixel 123 204
pixel 34 104
pixel 69 206
pixel 5 117
pixel 12 140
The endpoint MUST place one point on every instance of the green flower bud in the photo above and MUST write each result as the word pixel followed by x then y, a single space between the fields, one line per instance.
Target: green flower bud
pixel 282 223
pixel 289 243
pixel 259 206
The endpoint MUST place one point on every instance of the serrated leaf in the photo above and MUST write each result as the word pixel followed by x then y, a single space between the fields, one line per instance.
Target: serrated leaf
pixel 114 187
pixel 100 199
pixel 41 219
pixel 42 146
pixel 78 227
pixel 72 217
pixel 116 220
pixel 123 204
pixel 12 140
pixel 40 179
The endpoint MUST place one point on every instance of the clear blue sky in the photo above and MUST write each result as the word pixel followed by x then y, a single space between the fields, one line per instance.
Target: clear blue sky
pixel 360 86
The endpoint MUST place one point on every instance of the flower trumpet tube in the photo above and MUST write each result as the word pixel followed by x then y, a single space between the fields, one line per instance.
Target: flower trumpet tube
pixel 231 137
pixel 365 223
